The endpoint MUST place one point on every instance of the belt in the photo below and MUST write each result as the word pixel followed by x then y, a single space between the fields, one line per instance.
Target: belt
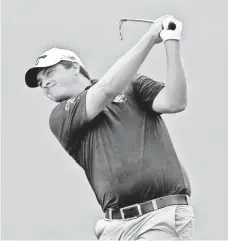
pixel 139 209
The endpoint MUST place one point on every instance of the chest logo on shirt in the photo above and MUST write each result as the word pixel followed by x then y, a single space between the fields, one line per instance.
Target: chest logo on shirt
pixel 120 98
pixel 70 101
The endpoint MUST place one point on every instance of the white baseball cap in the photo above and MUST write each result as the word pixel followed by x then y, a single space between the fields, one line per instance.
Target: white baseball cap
pixel 50 57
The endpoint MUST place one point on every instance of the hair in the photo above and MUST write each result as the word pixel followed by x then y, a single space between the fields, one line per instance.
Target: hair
pixel 69 64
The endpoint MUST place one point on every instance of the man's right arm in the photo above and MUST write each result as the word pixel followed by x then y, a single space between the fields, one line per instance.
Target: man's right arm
pixel 122 72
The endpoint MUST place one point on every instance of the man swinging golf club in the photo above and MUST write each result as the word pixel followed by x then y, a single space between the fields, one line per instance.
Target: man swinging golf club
pixel 113 129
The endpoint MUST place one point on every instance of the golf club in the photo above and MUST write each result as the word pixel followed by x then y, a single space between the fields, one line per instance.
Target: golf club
pixel 171 26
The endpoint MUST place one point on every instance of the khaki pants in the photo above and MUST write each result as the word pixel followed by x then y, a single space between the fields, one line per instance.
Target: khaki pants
pixel 170 223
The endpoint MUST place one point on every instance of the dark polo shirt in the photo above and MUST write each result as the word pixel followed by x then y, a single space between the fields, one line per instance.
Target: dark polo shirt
pixel 126 151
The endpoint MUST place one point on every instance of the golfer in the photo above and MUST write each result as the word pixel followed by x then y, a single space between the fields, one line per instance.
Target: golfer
pixel 112 127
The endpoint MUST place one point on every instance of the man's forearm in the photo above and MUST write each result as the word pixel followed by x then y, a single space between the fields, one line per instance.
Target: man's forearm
pixel 176 86
pixel 123 71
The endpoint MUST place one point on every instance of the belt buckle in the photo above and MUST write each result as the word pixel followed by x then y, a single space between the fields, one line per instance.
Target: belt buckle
pixel 129 207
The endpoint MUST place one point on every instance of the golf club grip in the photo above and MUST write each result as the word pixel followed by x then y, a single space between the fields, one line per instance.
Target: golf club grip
pixel 171 26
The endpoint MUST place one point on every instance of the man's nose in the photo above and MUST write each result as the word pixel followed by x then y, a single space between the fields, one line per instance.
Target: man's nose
pixel 47 83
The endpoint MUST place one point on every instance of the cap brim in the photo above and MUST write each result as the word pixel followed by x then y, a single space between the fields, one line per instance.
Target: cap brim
pixel 31 77
pixel 31 74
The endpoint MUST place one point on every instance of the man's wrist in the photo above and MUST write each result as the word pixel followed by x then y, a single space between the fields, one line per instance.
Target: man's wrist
pixel 172 48
pixel 153 37
pixel 172 44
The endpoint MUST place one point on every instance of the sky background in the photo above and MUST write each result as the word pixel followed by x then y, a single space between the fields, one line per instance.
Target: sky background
pixel 45 194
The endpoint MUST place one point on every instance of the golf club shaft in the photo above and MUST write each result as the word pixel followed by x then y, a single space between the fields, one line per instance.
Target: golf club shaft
pixel 137 20
pixel 132 20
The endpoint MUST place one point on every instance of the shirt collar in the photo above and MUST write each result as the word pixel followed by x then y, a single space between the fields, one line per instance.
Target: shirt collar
pixel 93 82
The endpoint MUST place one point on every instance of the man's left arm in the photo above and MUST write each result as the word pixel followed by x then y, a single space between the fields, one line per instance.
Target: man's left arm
pixel 173 97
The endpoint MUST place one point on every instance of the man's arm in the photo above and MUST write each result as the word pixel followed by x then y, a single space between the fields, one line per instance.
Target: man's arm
pixel 173 97
pixel 122 72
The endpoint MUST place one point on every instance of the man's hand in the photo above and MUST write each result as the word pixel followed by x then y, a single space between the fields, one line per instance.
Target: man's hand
pixel 157 27
pixel 167 34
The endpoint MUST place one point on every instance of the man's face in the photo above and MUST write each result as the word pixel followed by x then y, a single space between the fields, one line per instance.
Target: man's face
pixel 56 81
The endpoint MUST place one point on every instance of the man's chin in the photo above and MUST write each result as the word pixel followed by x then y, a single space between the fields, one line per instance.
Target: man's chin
pixel 56 98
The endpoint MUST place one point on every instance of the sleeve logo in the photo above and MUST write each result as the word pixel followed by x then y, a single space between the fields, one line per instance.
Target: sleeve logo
pixel 120 98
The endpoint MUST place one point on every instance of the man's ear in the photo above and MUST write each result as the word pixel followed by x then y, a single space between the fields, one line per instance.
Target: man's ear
pixel 76 68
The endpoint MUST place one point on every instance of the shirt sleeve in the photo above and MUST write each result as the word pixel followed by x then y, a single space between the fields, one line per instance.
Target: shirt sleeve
pixel 69 119
pixel 146 89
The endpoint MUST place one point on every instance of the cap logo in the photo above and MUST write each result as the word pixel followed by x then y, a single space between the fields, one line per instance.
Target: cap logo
pixel 68 57
pixel 41 57
pixel 72 57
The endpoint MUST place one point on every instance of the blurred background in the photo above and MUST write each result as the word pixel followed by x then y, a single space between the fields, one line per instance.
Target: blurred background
pixel 45 194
